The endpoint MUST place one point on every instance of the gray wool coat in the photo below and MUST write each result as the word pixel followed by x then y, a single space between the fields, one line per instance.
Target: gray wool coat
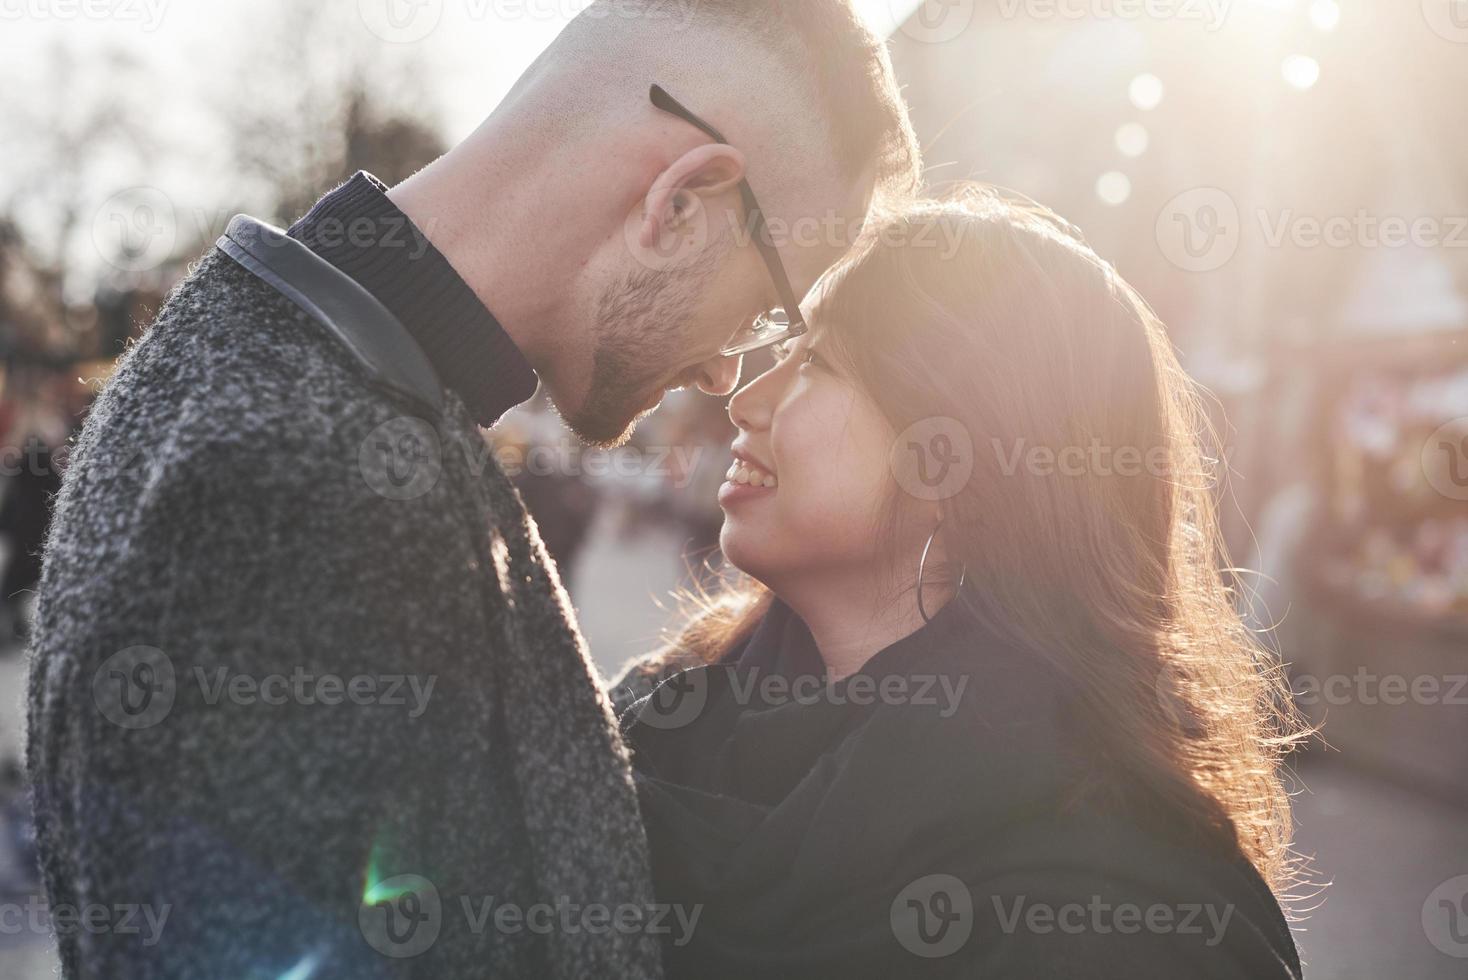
pixel 289 721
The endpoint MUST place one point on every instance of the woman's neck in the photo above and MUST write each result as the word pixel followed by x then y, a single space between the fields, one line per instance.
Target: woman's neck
pixel 853 618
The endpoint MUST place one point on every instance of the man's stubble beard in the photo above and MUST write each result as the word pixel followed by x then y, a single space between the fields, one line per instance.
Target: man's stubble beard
pixel 639 336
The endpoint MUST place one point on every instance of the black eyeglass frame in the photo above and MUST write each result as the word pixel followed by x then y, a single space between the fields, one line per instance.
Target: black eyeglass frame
pixel 759 231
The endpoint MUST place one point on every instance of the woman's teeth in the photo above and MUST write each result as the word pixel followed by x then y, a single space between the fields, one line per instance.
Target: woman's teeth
pixel 746 474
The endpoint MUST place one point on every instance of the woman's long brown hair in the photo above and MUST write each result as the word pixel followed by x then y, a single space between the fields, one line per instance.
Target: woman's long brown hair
pixel 994 313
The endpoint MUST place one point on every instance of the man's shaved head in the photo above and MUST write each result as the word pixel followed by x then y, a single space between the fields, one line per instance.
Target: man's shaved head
pixel 803 87
pixel 611 238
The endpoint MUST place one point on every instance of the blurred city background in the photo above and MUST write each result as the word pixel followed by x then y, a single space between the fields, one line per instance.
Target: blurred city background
pixel 1285 180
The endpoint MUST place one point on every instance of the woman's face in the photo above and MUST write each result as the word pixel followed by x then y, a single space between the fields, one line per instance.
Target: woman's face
pixel 810 482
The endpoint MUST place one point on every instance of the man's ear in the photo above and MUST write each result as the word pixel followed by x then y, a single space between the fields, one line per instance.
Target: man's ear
pixel 689 182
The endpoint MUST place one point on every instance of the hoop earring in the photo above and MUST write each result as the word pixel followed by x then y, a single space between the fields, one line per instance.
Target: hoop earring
pixel 923 571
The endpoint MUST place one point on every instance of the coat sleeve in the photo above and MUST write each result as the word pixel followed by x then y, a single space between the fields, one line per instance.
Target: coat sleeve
pixel 253 714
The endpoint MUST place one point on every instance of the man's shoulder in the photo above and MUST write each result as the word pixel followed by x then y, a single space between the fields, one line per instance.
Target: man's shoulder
pixel 230 364
pixel 224 336
pixel 234 393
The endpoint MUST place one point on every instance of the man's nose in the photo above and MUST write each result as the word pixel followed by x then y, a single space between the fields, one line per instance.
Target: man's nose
pixel 719 376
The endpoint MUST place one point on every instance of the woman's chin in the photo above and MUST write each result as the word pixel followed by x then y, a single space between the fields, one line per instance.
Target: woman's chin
pixel 740 542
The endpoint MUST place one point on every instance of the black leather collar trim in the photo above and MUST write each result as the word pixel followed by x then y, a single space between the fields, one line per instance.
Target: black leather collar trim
pixel 379 342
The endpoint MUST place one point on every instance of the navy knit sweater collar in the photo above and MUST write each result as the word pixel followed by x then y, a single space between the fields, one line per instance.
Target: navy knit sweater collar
pixel 360 231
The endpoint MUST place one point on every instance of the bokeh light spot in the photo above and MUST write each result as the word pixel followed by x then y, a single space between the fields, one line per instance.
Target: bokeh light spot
pixel 1325 15
pixel 1132 139
pixel 1146 92
pixel 1114 188
pixel 1301 71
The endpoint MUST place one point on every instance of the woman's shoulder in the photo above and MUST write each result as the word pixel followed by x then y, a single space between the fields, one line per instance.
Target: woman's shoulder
pixel 641 676
pixel 716 634
pixel 1088 896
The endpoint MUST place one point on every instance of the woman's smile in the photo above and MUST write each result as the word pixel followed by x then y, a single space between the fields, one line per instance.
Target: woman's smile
pixel 746 479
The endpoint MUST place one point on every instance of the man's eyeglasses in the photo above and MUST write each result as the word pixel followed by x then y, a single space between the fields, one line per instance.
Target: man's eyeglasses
pixel 779 325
